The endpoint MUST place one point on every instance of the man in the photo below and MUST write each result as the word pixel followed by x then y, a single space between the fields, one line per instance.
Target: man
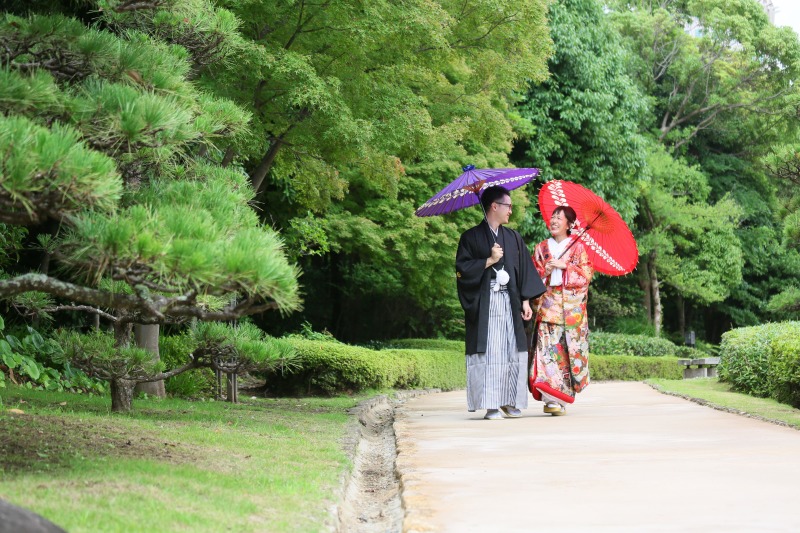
pixel 496 279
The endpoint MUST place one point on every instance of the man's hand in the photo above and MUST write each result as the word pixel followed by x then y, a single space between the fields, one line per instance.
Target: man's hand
pixel 497 255
pixel 527 312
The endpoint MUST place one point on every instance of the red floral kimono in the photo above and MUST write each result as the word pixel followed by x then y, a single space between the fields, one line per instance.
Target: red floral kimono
pixel 560 366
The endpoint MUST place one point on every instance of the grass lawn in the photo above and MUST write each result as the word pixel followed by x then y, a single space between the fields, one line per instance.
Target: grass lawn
pixel 720 394
pixel 174 465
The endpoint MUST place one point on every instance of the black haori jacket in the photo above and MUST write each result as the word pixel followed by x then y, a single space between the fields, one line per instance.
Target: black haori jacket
pixel 473 282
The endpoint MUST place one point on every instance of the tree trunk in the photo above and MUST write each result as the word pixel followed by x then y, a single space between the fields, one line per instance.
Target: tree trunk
pixel 681 315
pixel 44 265
pixel 265 164
pixel 647 292
pixel 228 158
pixel 147 337
pixel 656 297
pixel 122 334
pixel 338 295
pixel 122 395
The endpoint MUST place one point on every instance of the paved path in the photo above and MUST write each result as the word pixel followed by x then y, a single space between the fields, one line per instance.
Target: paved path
pixel 625 459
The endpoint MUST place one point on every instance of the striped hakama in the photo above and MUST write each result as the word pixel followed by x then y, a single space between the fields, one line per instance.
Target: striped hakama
pixel 498 377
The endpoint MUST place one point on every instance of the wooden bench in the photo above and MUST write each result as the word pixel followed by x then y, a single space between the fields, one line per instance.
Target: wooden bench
pixel 705 367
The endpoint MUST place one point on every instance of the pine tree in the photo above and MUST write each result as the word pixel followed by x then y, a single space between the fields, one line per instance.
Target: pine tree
pixel 111 157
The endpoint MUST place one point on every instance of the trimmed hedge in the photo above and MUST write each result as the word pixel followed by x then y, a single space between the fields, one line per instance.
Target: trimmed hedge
pixel 763 361
pixel 599 342
pixel 633 368
pixel 428 344
pixel 624 344
pixel 332 367
pixel 434 369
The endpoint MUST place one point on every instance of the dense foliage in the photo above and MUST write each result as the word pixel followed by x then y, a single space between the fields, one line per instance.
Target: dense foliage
pixel 167 160
pixel 581 124
pixel 682 115
pixel 110 165
pixel 718 77
pixel 30 360
pixel 763 361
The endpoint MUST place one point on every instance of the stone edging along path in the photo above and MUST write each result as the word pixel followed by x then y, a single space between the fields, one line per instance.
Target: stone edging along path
pixel 371 498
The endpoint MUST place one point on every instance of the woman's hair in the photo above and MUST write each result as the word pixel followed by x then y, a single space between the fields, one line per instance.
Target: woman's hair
pixel 492 194
pixel 569 214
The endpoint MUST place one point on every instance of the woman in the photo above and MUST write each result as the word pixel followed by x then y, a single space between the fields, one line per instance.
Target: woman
pixel 560 368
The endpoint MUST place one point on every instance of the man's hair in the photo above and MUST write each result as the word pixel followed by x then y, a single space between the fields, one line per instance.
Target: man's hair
pixel 569 214
pixel 491 195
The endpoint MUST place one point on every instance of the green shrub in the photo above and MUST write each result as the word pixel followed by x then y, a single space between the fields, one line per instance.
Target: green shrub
pixel 784 369
pixel 708 349
pixel 744 358
pixel 428 344
pixel 763 361
pixel 174 351
pixel 332 367
pixel 632 325
pixel 624 344
pixel 633 368
pixel 687 352
pixel 34 362
pixel 439 369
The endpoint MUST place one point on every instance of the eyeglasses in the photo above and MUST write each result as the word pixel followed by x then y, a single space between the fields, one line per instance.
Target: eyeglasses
pixel 507 205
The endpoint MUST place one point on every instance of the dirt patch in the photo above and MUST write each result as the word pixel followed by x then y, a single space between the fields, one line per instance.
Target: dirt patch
pixel 372 502
pixel 43 443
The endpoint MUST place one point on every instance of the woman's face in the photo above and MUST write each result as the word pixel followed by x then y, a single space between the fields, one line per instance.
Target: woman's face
pixel 558 225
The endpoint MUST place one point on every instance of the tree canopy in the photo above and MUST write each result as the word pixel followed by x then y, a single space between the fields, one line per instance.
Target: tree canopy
pixel 210 159
pixel 109 163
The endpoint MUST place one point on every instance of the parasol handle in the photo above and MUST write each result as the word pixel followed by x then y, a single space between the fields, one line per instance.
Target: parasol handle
pixel 572 243
pixel 486 218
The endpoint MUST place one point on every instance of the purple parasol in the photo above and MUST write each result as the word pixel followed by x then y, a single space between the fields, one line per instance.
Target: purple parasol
pixel 464 191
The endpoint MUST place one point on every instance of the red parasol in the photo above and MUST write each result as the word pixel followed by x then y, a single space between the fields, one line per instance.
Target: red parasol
pixel 605 236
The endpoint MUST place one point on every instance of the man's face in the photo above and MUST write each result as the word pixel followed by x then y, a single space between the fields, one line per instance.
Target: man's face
pixel 504 209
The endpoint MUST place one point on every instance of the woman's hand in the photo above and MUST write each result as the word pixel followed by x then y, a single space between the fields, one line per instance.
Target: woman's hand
pixel 553 264
pixel 527 312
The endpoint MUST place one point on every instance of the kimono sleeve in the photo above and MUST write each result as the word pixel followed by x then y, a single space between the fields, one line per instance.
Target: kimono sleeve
pixel 579 269
pixel 540 257
pixel 469 274
pixel 469 267
pixel 530 280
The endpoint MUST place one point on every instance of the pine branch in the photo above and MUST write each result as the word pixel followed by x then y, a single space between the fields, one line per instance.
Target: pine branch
pixel 85 308
pixel 69 291
pixel 247 307
pixel 132 309
pixel 194 363
pixel 138 5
